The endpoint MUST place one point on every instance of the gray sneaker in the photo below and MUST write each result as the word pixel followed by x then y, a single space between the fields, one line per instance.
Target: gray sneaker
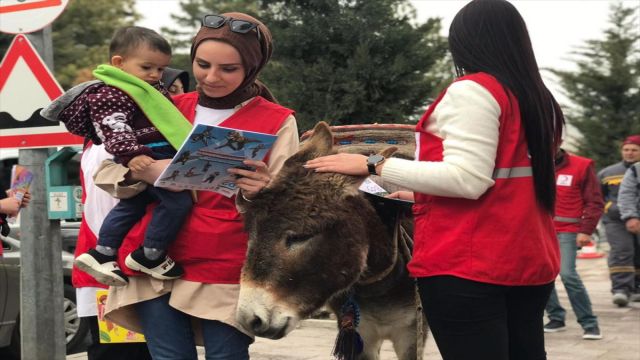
pixel 621 299
pixel 592 333
pixel 635 297
pixel 554 326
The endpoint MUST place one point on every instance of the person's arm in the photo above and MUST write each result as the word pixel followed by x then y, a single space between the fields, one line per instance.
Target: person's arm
pixel 252 182
pixel 629 200
pixel 604 189
pixel 287 144
pixel 593 204
pixel 467 119
pixel 9 206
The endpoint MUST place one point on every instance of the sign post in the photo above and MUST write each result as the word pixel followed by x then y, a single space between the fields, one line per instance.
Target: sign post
pixel 42 325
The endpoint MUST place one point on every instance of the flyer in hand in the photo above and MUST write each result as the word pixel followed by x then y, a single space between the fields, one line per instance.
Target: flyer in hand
pixel 21 179
pixel 208 152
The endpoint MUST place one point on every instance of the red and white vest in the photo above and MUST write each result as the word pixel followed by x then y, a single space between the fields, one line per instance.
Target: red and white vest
pixel 212 243
pixel 97 205
pixel 569 201
pixel 504 237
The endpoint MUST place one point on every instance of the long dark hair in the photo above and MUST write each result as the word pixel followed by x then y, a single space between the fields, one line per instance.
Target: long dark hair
pixel 490 36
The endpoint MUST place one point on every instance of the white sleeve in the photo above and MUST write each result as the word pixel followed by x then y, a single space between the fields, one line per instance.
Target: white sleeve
pixel 285 145
pixel 467 119
pixel 98 202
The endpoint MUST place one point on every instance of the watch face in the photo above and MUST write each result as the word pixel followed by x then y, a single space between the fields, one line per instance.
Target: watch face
pixel 375 159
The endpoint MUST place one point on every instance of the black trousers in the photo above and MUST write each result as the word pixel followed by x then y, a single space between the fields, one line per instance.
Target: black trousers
pixel 125 351
pixel 474 320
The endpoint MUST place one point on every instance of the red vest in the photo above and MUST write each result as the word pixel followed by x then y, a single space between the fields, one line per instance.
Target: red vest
pixel 569 203
pixel 212 243
pixel 504 237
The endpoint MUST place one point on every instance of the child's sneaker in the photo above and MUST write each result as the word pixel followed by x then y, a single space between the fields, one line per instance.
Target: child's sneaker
pixel 164 268
pixel 102 267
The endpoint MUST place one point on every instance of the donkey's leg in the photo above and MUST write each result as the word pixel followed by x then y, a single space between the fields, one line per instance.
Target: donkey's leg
pixel 371 337
pixel 405 342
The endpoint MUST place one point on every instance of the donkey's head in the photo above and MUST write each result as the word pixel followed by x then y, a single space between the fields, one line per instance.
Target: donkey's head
pixel 311 236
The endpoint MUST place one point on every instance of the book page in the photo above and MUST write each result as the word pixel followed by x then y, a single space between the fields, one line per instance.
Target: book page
pixel 208 152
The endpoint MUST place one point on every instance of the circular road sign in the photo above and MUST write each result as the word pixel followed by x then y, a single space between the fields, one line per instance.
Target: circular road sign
pixel 26 16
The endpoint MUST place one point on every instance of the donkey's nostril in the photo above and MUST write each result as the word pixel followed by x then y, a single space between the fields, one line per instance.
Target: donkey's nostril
pixel 256 324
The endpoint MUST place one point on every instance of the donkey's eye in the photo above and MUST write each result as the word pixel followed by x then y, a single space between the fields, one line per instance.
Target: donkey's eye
pixel 296 239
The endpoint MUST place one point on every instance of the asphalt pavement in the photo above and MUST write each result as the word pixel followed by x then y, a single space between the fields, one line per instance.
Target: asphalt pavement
pixel 313 340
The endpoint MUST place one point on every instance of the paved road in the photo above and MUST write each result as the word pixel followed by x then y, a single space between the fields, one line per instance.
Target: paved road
pixel 620 327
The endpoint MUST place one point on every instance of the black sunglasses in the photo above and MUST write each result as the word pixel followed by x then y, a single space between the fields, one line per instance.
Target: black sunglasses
pixel 236 25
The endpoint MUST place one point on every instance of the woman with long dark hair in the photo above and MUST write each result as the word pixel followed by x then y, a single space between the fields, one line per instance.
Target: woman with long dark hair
pixel 486 253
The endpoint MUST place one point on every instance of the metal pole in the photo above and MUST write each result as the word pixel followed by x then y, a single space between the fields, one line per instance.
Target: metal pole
pixel 41 300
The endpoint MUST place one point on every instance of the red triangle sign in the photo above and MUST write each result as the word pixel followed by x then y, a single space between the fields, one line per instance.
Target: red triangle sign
pixel 27 85
pixel 11 67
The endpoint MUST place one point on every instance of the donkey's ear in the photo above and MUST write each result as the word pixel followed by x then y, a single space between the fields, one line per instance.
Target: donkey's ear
pixel 352 184
pixel 321 141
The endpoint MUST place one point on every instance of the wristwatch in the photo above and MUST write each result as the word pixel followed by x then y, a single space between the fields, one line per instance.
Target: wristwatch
pixel 373 161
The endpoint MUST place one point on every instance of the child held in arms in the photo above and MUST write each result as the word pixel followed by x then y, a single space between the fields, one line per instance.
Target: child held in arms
pixel 131 113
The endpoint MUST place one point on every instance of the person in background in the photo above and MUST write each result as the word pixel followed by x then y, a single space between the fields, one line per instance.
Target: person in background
pixel 175 81
pixel 624 255
pixel 486 254
pixel 227 55
pixel 578 209
pixel 629 205
pixel 96 206
pixel 9 207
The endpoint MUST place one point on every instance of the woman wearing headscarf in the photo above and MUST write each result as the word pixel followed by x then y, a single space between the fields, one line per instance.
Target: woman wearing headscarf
pixel 176 81
pixel 227 55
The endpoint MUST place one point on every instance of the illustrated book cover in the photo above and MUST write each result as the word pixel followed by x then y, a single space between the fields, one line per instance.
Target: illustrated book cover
pixel 111 333
pixel 21 179
pixel 202 161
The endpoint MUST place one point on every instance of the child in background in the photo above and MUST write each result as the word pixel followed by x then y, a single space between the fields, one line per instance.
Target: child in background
pixel 122 123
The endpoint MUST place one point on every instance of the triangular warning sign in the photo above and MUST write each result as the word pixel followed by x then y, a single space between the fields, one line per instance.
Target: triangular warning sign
pixel 26 84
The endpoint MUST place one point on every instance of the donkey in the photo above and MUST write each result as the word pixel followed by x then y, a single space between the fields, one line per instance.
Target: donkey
pixel 314 239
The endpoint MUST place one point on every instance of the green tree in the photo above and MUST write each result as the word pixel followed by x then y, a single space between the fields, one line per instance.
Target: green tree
pixel 82 33
pixel 605 89
pixel 188 23
pixel 352 62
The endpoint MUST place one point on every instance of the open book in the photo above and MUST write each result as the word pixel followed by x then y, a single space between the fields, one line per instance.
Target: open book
pixel 203 159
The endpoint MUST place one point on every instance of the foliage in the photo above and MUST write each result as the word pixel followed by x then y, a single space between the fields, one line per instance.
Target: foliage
pixel 352 62
pixel 82 33
pixel 370 63
pixel 5 41
pixel 188 23
pixel 605 88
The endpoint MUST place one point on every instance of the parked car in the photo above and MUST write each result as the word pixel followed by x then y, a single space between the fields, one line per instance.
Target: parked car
pixel 76 328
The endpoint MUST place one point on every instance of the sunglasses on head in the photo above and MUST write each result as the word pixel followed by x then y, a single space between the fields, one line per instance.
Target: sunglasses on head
pixel 236 25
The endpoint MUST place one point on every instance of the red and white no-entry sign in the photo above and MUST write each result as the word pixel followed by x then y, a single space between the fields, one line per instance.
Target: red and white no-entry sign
pixel 26 86
pixel 26 16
